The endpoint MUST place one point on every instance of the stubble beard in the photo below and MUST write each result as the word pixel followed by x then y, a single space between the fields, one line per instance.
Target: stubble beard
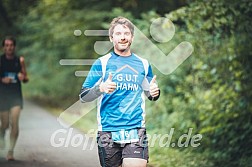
pixel 124 49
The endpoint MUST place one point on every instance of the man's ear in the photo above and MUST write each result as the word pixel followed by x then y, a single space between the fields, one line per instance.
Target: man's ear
pixel 111 38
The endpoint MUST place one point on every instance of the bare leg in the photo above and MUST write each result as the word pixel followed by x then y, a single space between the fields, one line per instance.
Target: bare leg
pixel 4 116
pixel 134 162
pixel 14 131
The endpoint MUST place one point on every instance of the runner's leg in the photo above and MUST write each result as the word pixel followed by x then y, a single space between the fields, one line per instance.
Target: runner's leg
pixel 4 116
pixel 14 131
pixel 136 154
pixel 110 153
pixel 134 162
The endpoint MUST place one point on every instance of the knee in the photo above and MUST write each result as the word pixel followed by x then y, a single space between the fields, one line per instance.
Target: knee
pixel 5 126
pixel 134 162
pixel 14 128
pixel 14 131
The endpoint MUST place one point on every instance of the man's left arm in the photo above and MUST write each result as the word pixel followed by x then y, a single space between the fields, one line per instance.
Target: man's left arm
pixel 150 86
pixel 154 91
pixel 22 76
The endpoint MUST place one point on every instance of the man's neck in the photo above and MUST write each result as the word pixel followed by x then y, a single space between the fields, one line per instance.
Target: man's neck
pixel 9 56
pixel 123 53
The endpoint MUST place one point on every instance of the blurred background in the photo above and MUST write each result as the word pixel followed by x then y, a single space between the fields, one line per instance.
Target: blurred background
pixel 210 92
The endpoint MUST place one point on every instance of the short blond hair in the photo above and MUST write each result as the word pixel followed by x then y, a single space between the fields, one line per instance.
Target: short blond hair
pixel 122 21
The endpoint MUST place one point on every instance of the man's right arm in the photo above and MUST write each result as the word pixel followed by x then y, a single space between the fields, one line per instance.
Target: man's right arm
pixel 108 86
pixel 90 88
pixel 90 94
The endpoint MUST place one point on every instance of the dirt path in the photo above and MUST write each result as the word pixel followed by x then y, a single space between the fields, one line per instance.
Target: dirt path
pixel 43 142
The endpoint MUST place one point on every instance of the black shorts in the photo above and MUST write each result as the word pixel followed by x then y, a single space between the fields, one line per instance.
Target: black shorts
pixel 10 96
pixel 7 102
pixel 111 154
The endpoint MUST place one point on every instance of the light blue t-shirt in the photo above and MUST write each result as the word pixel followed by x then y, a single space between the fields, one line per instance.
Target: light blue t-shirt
pixel 125 107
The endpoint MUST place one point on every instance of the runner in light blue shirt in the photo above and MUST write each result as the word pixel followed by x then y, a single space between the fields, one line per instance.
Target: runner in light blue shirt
pixel 121 80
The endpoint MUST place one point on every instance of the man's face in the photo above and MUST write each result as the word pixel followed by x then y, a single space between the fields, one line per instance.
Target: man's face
pixel 121 38
pixel 9 47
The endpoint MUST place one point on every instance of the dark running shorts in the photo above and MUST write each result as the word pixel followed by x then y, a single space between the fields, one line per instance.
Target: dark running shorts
pixel 111 154
pixel 7 102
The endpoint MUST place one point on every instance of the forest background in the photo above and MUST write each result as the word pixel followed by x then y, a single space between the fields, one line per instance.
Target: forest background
pixel 210 93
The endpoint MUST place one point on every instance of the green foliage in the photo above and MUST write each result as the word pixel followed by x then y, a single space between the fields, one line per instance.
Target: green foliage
pixel 48 37
pixel 10 10
pixel 211 91
pixel 177 158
